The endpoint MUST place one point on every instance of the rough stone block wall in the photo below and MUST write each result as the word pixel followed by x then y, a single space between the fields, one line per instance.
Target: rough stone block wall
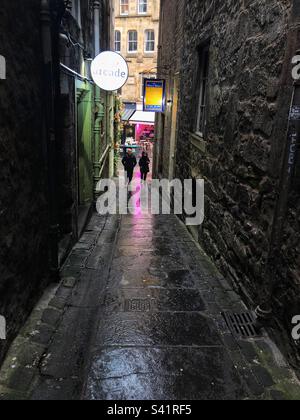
pixel 23 203
pixel 246 131
pixel 169 65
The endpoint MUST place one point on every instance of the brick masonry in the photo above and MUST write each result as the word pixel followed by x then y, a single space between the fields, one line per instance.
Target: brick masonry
pixel 249 94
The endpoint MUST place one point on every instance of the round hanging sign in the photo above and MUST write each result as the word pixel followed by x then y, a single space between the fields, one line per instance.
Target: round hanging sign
pixel 109 71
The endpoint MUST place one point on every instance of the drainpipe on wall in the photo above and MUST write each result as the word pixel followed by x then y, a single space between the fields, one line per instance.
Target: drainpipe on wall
pixel 111 97
pixel 97 27
pixel 264 310
pixel 111 133
pixel 50 134
pixel 99 110
pixel 50 24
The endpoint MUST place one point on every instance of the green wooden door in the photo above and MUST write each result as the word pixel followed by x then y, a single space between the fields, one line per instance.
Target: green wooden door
pixel 84 142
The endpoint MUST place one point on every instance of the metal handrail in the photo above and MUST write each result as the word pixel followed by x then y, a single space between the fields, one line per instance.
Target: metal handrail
pixel 104 154
pixel 101 164
pixel 75 74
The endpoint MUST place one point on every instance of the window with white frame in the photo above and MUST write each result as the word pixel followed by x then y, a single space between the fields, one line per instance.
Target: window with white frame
pixel 143 7
pixel 132 41
pixel 203 91
pixel 124 7
pixel 149 41
pixel 117 41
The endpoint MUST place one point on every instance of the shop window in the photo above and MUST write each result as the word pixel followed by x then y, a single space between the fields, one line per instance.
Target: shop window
pixel 202 91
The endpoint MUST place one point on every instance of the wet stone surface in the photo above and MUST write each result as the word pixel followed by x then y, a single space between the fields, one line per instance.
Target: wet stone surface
pixel 138 316
pixel 154 300
pixel 160 333
pixel 161 329
pixel 163 374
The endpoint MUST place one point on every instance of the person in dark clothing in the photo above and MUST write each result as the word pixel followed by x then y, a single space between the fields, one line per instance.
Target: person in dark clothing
pixel 129 162
pixel 145 166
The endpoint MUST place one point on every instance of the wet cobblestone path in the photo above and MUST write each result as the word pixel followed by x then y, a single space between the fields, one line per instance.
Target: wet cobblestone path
pixel 154 339
pixel 138 316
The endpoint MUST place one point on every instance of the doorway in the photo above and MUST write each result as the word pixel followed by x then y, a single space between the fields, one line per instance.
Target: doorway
pixel 84 152
pixel 173 139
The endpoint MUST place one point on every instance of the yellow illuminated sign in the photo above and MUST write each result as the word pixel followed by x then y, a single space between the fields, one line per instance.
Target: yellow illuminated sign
pixel 154 95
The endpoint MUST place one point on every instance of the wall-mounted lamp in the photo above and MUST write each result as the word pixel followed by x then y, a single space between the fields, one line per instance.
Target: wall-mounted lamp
pixel 64 37
pixel 87 56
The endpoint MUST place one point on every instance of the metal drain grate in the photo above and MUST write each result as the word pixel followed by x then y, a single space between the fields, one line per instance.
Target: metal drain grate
pixel 242 325
pixel 137 305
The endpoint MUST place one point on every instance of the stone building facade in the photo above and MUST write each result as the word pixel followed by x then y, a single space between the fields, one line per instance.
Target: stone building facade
pixel 56 140
pixel 24 192
pixel 136 36
pixel 170 52
pixel 86 149
pixel 235 94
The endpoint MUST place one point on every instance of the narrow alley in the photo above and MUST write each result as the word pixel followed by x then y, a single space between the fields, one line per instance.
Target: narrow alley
pixel 138 317
pixel 149 202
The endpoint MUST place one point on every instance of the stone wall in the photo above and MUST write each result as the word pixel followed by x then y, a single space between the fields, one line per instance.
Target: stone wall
pixel 249 92
pixel 23 202
pixel 170 52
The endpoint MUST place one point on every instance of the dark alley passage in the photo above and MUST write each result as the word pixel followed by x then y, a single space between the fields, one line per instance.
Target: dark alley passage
pixel 150 202
pixel 138 317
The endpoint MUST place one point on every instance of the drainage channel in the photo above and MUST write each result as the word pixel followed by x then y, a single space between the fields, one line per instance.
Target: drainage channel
pixel 242 324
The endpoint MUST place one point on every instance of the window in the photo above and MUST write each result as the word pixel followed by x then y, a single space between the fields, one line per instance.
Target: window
pixel 142 7
pixel 118 41
pixel 124 7
pixel 132 41
pixel 203 81
pixel 149 41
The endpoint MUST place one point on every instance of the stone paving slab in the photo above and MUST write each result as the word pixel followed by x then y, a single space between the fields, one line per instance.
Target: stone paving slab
pixel 157 329
pixel 138 316
pixel 153 300
pixel 163 374
pixel 147 330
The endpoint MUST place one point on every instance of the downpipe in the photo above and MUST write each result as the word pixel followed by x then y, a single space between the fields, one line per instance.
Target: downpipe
pixel 51 130
pixel 98 111
pixel 264 311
